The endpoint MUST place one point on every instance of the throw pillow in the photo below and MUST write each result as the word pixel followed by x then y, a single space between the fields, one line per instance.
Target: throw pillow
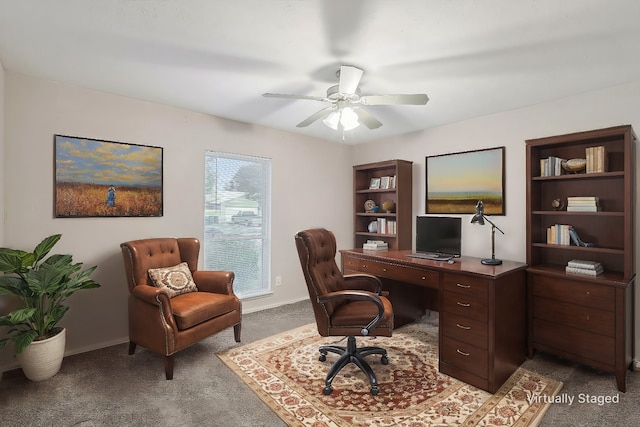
pixel 176 280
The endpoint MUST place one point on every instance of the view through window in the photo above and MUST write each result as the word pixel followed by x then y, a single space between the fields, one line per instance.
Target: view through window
pixel 236 220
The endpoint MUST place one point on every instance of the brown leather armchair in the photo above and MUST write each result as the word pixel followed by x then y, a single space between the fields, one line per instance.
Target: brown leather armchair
pixel 166 325
pixel 350 305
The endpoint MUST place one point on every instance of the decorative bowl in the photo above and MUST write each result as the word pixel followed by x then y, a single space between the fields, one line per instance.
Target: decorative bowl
pixel 574 165
pixel 388 205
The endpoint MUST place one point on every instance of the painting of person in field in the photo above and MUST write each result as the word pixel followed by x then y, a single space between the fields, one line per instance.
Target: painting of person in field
pixel 89 171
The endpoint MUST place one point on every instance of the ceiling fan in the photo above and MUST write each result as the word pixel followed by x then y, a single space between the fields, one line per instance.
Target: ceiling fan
pixel 346 110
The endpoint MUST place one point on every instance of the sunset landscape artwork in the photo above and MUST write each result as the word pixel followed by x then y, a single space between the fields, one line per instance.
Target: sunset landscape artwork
pixel 456 182
pixel 95 178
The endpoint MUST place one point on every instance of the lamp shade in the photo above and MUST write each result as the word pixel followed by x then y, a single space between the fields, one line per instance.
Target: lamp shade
pixel 346 117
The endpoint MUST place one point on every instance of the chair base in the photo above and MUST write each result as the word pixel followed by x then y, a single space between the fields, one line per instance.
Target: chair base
pixel 352 354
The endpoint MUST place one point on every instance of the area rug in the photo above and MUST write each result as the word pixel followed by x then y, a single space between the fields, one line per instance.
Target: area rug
pixel 284 371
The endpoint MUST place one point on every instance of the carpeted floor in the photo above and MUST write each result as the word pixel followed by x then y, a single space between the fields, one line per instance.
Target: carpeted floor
pixel 107 387
pixel 282 371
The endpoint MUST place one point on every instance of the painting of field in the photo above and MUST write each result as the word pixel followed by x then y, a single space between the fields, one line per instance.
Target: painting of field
pixel 456 182
pixel 80 200
pixel 107 179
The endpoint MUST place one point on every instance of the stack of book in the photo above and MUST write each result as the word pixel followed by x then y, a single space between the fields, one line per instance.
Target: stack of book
pixel 587 268
pixel 596 159
pixel 551 166
pixel 375 245
pixel 583 204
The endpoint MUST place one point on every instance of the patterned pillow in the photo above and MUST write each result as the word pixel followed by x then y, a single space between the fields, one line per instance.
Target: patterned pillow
pixel 175 280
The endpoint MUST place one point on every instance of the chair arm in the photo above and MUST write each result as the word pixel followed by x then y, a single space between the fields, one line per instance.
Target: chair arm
pixel 365 282
pixel 218 282
pixel 153 296
pixel 357 295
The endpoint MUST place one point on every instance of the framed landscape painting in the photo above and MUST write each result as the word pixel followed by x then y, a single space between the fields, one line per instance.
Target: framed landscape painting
pixel 457 181
pixel 95 178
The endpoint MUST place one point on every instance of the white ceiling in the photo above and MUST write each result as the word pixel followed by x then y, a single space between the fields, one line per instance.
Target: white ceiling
pixel 471 57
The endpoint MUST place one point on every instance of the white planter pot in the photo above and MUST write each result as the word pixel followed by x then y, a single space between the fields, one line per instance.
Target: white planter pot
pixel 42 359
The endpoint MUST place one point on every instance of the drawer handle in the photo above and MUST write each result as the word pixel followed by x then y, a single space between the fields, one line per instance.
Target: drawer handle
pixel 460 285
pixel 384 269
pixel 463 326
pixel 463 304
pixel 462 352
pixel 424 278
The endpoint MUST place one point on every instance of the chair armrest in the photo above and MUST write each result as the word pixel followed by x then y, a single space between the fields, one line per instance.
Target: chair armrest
pixel 153 296
pixel 149 294
pixel 357 295
pixel 365 282
pixel 217 282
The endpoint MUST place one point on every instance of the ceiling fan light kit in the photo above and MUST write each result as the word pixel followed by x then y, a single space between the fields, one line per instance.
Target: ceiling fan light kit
pixel 346 112
pixel 346 118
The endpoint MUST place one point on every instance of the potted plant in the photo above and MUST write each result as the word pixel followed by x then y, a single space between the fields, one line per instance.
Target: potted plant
pixel 42 285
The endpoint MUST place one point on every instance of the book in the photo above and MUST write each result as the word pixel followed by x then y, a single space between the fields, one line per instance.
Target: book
pixel 596 158
pixel 583 199
pixel 575 239
pixel 375 245
pixel 579 263
pixel 583 271
pixel 571 208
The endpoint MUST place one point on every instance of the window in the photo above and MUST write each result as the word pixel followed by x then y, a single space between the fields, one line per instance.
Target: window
pixel 236 220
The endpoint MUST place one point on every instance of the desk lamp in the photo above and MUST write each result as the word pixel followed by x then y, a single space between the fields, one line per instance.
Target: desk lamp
pixel 479 219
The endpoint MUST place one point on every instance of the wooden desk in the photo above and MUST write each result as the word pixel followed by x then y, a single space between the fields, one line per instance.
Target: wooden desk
pixel 482 309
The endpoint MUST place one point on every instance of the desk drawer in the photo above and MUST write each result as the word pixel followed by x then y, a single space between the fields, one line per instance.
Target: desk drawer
pixel 465 330
pixel 573 315
pixel 465 356
pixel 472 287
pixel 574 291
pixel 465 306
pixel 401 273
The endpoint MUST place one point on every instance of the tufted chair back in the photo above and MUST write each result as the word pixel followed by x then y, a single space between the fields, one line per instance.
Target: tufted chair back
pixel 317 252
pixel 158 253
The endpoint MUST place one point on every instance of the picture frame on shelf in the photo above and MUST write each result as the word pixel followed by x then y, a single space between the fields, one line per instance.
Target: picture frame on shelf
pixel 374 184
pixel 455 182
pixel 384 182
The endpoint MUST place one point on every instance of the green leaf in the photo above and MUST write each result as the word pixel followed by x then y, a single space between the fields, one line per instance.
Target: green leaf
pixel 23 339
pixel 45 246
pixel 14 260
pixel 21 315
pixel 10 285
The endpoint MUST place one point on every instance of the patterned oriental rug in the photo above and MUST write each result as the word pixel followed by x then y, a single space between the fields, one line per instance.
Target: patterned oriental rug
pixel 284 371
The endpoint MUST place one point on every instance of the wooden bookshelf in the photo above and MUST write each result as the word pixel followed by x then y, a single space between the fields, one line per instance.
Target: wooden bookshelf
pixel 583 318
pixel 399 191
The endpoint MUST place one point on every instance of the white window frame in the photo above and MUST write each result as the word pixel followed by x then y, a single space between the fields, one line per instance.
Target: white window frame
pixel 264 236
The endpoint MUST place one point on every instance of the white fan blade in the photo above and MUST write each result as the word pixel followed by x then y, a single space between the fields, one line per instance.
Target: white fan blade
pixel 367 119
pixel 322 114
pixel 413 99
pixel 349 79
pixel 280 95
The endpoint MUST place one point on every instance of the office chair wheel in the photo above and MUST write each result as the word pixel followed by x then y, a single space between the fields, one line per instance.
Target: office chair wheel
pixel 322 357
pixel 374 390
pixel 384 360
pixel 327 390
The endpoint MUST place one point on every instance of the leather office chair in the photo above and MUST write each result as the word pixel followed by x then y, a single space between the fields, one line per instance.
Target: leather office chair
pixel 165 324
pixel 350 305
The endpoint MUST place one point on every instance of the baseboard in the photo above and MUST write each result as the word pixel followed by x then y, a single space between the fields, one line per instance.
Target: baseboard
pixel 276 305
